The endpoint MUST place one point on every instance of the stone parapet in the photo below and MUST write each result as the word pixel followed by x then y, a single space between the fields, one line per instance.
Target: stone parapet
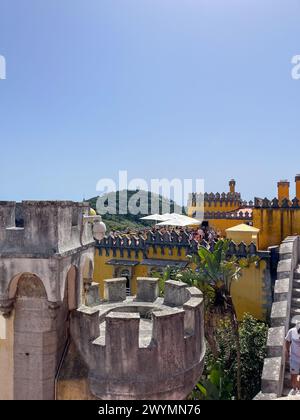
pixel 143 349
pixel 275 362
pixel 43 228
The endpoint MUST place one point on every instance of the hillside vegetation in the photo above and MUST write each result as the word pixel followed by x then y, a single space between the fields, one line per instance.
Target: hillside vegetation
pixel 130 221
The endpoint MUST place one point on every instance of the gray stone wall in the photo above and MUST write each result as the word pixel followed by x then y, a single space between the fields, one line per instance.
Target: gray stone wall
pixel 142 349
pixel 274 366
pixel 37 289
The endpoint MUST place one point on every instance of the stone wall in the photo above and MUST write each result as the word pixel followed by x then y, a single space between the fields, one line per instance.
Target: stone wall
pixel 45 248
pixel 274 365
pixel 144 347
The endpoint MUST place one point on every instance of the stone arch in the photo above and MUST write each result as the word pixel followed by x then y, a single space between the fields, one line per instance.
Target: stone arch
pixel 35 322
pixel 87 269
pixel 87 272
pixel 71 288
pixel 31 284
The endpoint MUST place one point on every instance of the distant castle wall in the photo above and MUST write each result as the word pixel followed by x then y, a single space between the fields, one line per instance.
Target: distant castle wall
pixel 137 256
pixel 224 202
pixel 276 220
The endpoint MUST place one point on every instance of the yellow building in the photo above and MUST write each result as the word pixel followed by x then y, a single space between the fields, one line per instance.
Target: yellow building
pixel 276 219
pixel 255 229
pixel 134 256
pixel 221 211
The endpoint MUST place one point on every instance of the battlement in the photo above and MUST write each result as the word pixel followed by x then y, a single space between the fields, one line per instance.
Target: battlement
pixel 276 203
pixel 239 215
pixel 42 227
pixel 134 244
pixel 223 199
pixel 172 244
pixel 128 337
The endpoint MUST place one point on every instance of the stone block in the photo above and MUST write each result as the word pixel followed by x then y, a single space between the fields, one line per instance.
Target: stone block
pixel 284 269
pixel 147 289
pixel 92 295
pixel 115 289
pixel 281 289
pixel 275 342
pixel 176 293
pixel 279 314
pixel 272 375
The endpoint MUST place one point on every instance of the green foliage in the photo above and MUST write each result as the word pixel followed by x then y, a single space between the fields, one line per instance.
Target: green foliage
pixel 214 276
pixel 168 274
pixel 124 222
pixel 216 386
pixel 253 338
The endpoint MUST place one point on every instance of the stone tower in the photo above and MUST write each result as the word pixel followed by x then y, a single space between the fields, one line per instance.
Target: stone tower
pixel 141 347
pixel 57 337
pixel 46 253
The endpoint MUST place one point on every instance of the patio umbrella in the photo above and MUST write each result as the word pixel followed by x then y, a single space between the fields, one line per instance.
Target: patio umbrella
pixel 155 217
pixel 179 220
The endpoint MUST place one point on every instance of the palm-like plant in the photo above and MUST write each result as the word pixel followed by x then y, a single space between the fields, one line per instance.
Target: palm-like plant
pixel 214 275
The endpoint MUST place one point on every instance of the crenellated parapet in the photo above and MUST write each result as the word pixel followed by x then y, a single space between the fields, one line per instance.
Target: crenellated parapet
pixel 46 266
pixel 211 200
pixel 265 203
pixel 170 245
pixel 142 347
pixel 132 245
pixel 238 215
pixel 43 228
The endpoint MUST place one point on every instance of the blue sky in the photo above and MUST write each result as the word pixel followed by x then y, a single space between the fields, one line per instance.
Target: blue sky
pixel 162 88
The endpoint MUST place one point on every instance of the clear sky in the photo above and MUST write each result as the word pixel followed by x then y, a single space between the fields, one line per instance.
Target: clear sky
pixel 162 88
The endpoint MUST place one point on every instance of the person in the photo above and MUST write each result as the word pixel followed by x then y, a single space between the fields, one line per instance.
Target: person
pixel 293 354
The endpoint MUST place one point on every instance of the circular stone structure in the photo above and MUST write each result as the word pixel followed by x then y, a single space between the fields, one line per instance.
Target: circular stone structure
pixel 144 346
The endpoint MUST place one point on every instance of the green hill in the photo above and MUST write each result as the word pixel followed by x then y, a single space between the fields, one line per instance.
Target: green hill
pixel 132 221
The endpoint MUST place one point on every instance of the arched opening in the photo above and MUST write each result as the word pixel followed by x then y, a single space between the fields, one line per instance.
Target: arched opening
pixel 35 338
pixel 126 273
pixel 71 288
pixel 87 276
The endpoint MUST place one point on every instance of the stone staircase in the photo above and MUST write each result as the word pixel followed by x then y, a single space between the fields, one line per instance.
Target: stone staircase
pixel 294 317
pixel 285 311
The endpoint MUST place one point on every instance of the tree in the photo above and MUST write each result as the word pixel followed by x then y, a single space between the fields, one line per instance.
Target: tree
pixel 214 276
pixel 219 376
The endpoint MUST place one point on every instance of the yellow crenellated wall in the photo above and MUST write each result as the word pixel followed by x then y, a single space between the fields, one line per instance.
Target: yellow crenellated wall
pixel 215 206
pixel 104 271
pixel 275 225
pixel 248 293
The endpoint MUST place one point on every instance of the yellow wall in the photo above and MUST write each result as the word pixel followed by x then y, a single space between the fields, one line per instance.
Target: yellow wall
pixel 275 225
pixel 248 292
pixel 74 389
pixel 298 187
pixel 6 357
pixel 223 224
pixel 215 206
pixel 104 271
pixel 283 191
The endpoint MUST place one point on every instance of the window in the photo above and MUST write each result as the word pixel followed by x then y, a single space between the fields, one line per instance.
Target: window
pixel 126 273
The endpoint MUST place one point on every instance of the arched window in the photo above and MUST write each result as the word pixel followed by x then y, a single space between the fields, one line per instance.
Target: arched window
pixel 126 273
